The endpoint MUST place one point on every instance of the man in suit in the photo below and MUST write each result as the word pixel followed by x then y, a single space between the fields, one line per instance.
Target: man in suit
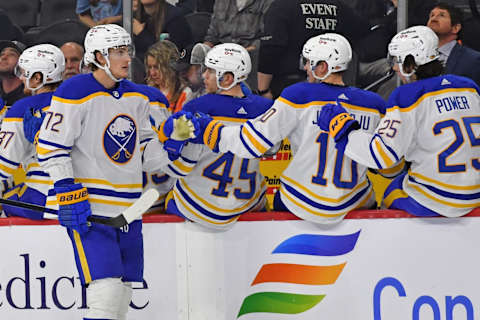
pixel 446 21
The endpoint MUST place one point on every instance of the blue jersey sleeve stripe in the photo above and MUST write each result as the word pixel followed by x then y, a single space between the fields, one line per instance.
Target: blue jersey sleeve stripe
pixel 110 193
pixel 250 125
pixel 13 163
pixel 175 171
pixel 55 156
pixel 4 176
pixel 37 173
pixel 247 146
pixel 188 160
pixel 52 144
pixel 372 152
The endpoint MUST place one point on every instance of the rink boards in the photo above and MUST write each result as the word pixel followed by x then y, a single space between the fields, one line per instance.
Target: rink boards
pixel 374 265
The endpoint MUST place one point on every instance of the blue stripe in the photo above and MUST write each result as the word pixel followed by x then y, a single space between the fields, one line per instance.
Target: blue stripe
pixel 54 144
pixel 56 156
pixel 472 196
pixel 388 148
pixel 318 244
pixel 379 166
pixel 146 140
pixel 247 147
pixel 202 210
pixel 4 176
pixel 317 205
pixel 259 134
pixel 37 173
pixel 188 160
pixel 9 161
pixel 175 171
pixel 110 193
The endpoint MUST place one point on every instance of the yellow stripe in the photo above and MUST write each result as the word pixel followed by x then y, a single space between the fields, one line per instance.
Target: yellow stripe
pixel 447 203
pixel 254 141
pixel 181 166
pixel 394 195
pixel 161 136
pixel 228 119
pixel 82 257
pixel 303 105
pixel 210 136
pixel 136 94
pixel 446 185
pixel 22 190
pixel 359 108
pixel 13 119
pixel 177 197
pixel 383 154
pixel 7 169
pixel 109 202
pixel 215 208
pixel 429 94
pixel 108 183
pixel 51 203
pixel 158 104
pixel 11 193
pixel 44 151
pixel 393 170
pixel 308 209
pixel 314 195
pixel 28 180
pixel 82 100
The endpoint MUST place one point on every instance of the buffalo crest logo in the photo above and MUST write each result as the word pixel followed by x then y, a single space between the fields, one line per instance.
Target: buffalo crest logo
pixel 119 139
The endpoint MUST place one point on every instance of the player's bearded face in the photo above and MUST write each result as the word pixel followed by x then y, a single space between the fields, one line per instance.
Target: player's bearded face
pixel 119 61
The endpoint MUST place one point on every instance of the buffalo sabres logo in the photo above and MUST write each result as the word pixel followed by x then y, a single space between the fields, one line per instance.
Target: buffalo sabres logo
pixel 119 139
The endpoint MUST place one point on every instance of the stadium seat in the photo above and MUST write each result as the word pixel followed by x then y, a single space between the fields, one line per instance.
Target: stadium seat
pixel 56 10
pixel 198 22
pixel 58 33
pixel 24 13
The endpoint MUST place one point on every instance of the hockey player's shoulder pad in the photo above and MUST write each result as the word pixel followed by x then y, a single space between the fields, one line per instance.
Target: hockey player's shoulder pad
pixel 40 101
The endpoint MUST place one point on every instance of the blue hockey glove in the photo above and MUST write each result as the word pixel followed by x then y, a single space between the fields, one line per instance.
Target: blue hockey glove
pixel 209 131
pixel 179 126
pixel 74 208
pixel 32 121
pixel 337 121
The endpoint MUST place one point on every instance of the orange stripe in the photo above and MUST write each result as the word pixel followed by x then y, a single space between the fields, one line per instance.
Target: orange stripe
pixel 297 273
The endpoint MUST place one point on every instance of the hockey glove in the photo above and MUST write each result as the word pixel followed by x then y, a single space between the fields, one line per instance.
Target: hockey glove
pixel 179 126
pixel 337 121
pixel 210 130
pixel 32 121
pixel 74 208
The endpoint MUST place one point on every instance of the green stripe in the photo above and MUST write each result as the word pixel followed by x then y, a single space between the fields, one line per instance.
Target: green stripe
pixel 278 302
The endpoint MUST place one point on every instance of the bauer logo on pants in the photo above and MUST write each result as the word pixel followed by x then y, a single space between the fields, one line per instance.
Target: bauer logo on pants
pixel 120 138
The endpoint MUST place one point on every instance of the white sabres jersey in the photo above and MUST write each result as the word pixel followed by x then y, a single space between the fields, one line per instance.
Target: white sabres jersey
pixel 94 135
pixel 157 180
pixel 16 150
pixel 435 124
pixel 320 184
pixel 214 189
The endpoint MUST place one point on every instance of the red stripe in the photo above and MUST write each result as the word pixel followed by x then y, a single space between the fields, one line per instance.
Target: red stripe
pixel 249 216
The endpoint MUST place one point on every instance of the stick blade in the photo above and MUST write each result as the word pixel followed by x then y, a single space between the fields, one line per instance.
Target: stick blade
pixel 138 208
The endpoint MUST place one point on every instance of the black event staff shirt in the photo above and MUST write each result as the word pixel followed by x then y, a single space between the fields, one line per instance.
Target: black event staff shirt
pixel 11 97
pixel 290 23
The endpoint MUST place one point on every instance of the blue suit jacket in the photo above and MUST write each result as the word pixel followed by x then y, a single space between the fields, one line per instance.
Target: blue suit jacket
pixel 464 61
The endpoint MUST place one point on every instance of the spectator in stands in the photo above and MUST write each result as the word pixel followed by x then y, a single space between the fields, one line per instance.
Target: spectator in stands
pixel 156 20
pixel 239 22
pixel 12 88
pixel 160 64
pixel 73 53
pixel 95 12
pixel 288 25
pixel 446 21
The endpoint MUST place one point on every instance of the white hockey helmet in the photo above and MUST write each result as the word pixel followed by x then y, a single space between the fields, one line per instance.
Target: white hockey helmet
pixel 332 48
pixel 103 37
pixel 419 41
pixel 229 57
pixel 44 58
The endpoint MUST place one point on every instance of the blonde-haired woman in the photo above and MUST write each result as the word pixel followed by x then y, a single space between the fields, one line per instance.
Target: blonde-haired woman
pixel 161 63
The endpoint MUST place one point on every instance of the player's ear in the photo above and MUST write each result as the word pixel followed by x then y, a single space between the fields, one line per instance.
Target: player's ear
pixel 37 79
pixel 227 79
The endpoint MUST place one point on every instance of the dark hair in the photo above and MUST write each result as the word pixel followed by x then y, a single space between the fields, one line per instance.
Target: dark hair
pixel 456 15
pixel 157 18
pixel 94 3
pixel 432 69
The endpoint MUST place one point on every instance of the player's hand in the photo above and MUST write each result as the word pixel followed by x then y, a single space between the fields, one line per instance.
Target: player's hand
pixel 179 126
pixel 209 131
pixel 337 121
pixel 74 208
pixel 32 121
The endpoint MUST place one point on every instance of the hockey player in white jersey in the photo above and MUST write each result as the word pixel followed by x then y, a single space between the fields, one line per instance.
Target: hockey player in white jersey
pixel 320 184
pixel 95 144
pixel 40 67
pixel 214 189
pixel 433 122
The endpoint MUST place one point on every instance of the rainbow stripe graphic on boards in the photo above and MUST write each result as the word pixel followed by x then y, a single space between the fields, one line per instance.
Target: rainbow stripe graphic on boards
pixel 300 274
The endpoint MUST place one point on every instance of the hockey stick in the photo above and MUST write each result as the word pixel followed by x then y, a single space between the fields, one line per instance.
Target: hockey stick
pixel 130 214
